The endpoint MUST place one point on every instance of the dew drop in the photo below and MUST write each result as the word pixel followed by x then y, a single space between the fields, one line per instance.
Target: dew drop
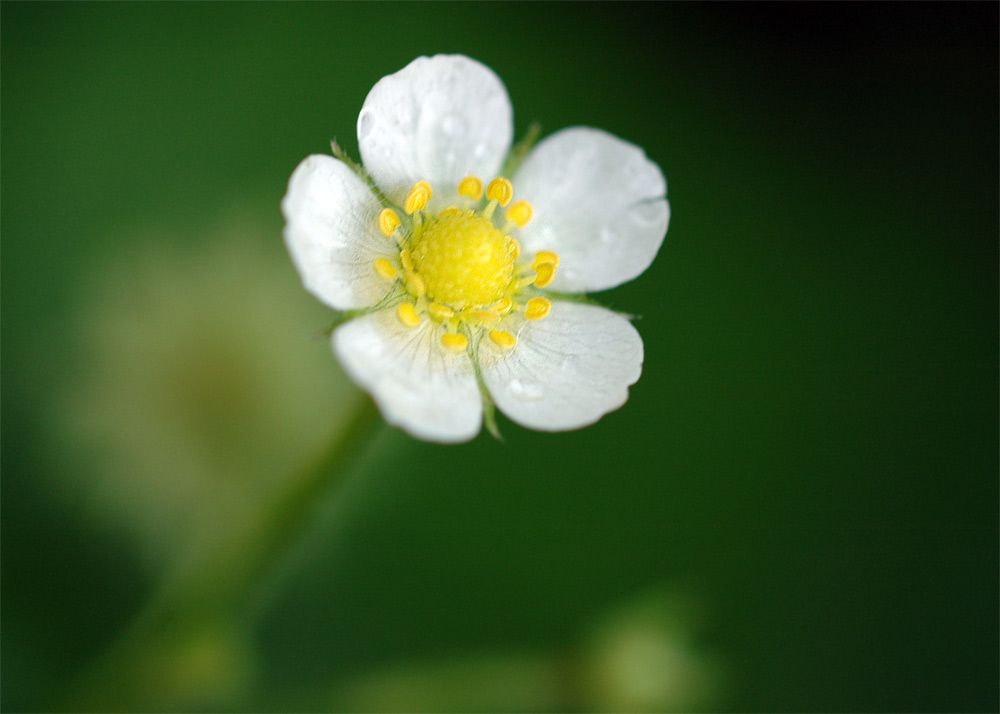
pixel 366 122
pixel 452 126
pixel 647 212
pixel 527 391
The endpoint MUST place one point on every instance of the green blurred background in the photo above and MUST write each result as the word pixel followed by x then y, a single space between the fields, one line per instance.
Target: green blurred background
pixel 795 511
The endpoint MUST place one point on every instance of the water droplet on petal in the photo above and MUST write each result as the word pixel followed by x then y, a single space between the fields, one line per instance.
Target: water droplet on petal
pixel 366 122
pixel 452 126
pixel 527 391
pixel 647 212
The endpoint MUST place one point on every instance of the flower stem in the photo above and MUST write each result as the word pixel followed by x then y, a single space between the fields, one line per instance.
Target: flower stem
pixel 186 648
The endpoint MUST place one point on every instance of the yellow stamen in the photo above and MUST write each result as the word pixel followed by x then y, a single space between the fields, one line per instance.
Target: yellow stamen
pixel 406 259
pixel 544 256
pixel 484 317
pixel 503 339
pixel 385 269
pixel 519 213
pixel 455 342
pixel 388 222
pixel 417 198
pixel 538 308
pixel 503 307
pixel 500 190
pixel 546 274
pixel 449 211
pixel 516 248
pixel 407 314
pixel 471 187
pixel 440 311
pixel 415 284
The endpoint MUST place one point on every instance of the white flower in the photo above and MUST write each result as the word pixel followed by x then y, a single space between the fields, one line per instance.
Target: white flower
pixel 455 276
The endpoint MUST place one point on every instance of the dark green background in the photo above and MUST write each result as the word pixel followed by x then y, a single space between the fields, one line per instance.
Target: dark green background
pixel 811 450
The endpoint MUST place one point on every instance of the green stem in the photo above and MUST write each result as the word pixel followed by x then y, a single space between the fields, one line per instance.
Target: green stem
pixel 194 622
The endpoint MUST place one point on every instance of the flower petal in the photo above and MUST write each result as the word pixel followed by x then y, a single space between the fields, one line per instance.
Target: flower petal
pixel 565 371
pixel 599 203
pixel 438 119
pixel 332 233
pixel 419 385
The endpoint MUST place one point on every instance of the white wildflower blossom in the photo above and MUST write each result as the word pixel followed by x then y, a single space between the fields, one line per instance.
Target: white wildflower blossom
pixel 458 280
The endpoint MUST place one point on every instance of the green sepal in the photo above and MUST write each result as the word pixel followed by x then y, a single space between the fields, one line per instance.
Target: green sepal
pixel 489 407
pixel 339 153
pixel 391 299
pixel 521 149
pixel 585 299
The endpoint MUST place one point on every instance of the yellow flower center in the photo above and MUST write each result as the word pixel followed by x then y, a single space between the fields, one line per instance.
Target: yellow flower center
pixel 460 269
pixel 464 260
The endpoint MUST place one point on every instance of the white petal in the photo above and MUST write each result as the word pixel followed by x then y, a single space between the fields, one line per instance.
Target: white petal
pixel 565 371
pixel 419 385
pixel 332 234
pixel 599 203
pixel 438 119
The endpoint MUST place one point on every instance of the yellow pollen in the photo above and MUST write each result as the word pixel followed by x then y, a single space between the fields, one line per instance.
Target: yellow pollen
pixel 407 314
pixel 504 306
pixel 544 256
pixel 455 342
pixel 439 311
pixel 388 222
pixel 463 259
pixel 500 190
pixel 417 198
pixel 546 274
pixel 519 213
pixel 384 269
pixel 503 339
pixel 471 187
pixel 538 308
pixel 449 211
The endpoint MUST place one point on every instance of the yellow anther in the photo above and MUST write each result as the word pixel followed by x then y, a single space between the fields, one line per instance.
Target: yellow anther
pixel 442 312
pixel 484 317
pixel 544 256
pixel 407 314
pixel 388 222
pixel 455 341
pixel 505 340
pixel 471 187
pixel 449 211
pixel 503 307
pixel 546 274
pixel 385 269
pixel 516 247
pixel 519 213
pixel 415 284
pixel 500 190
pixel 406 259
pixel 538 308
pixel 417 198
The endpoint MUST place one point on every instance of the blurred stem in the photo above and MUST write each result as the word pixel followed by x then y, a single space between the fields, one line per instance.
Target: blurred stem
pixel 185 648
